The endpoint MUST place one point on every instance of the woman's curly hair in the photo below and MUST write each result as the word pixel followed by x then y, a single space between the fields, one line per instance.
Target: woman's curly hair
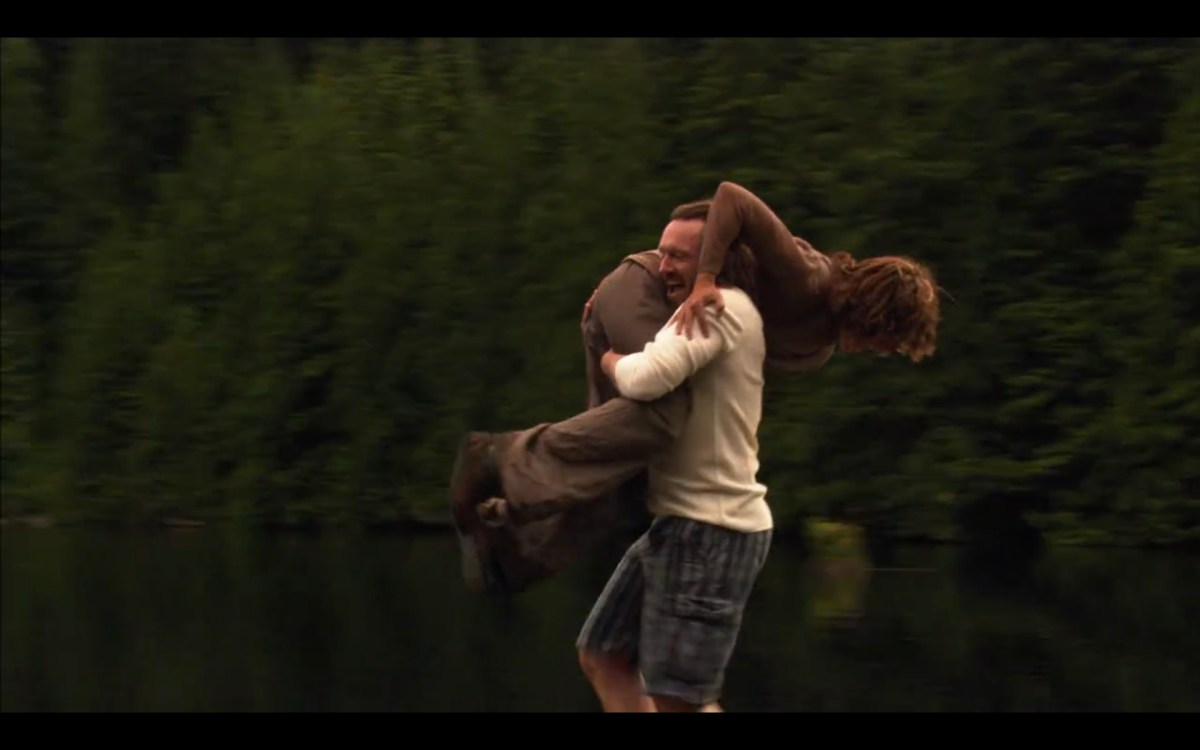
pixel 889 300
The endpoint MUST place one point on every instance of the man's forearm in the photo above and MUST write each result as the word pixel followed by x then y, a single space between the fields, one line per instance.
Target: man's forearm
pixel 667 361
pixel 643 383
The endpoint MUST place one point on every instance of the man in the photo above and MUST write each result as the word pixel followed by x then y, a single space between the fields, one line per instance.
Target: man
pixel 574 483
pixel 555 481
pixel 661 634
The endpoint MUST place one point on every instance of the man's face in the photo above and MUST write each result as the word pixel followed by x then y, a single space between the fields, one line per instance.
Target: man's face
pixel 680 248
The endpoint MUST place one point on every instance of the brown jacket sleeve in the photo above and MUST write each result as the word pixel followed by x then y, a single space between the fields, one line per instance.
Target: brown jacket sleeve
pixel 739 215
pixel 630 308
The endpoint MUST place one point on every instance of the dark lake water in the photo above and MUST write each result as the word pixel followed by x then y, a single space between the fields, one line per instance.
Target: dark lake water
pixel 215 620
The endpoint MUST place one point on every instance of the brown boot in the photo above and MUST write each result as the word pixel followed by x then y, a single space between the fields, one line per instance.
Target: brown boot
pixel 515 567
pixel 475 479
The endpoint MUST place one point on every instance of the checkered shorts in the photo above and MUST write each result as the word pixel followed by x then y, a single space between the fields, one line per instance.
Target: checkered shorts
pixel 674 605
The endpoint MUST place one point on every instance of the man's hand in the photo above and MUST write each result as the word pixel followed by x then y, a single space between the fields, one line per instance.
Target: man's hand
pixel 704 292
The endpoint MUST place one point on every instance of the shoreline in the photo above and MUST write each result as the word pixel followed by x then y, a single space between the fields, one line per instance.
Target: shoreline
pixel 437 525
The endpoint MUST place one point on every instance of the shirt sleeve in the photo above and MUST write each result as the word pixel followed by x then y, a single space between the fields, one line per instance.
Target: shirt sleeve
pixel 738 215
pixel 671 358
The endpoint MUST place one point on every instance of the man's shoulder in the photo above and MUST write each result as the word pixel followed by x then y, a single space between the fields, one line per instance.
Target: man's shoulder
pixel 741 314
pixel 739 318
pixel 737 301
pixel 647 259
pixel 635 266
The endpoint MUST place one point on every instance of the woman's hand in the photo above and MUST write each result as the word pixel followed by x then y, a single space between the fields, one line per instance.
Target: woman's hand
pixel 587 307
pixel 704 293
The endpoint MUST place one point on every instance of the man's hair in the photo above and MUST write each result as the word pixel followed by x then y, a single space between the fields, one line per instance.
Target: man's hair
pixel 694 210
pixel 739 266
pixel 890 299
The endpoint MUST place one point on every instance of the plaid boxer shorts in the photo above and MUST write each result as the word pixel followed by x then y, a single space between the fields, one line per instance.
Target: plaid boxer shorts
pixel 674 604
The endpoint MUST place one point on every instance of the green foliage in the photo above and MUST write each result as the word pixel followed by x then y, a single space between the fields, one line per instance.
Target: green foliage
pixel 274 281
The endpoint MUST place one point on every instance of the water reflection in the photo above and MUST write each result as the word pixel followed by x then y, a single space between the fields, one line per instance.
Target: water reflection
pixel 214 621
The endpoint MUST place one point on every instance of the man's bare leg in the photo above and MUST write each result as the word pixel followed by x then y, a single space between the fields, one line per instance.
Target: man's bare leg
pixel 668 704
pixel 616 682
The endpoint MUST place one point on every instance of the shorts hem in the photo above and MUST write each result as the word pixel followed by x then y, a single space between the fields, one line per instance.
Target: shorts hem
pixel 697 696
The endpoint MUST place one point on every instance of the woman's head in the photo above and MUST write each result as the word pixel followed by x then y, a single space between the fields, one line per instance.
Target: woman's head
pixel 886 304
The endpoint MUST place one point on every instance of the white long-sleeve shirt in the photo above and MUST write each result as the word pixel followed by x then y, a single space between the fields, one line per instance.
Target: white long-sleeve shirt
pixel 710 473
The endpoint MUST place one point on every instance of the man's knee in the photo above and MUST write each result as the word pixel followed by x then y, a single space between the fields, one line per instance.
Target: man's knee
pixel 588 663
pixel 598 664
